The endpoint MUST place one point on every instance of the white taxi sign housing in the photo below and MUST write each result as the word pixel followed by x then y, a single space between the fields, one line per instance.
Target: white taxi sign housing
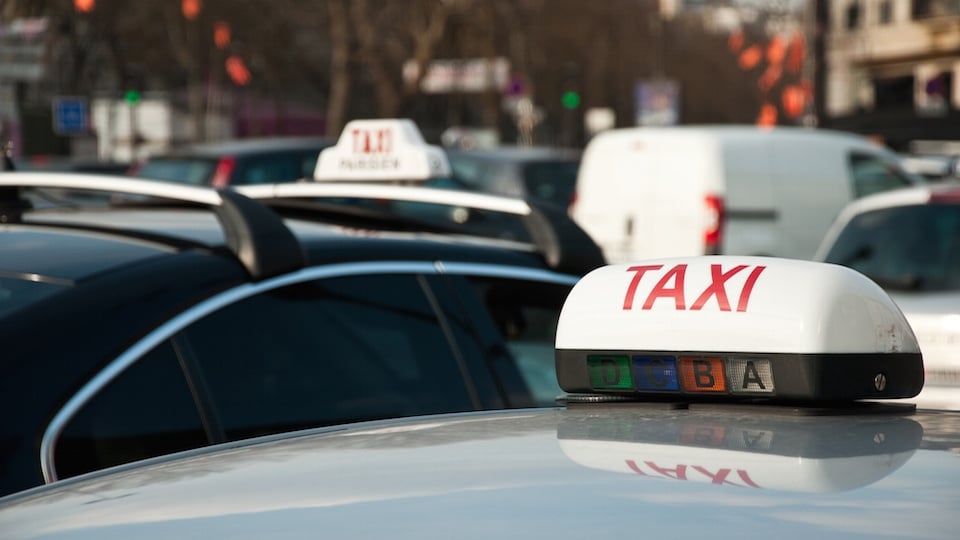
pixel 735 326
pixel 381 150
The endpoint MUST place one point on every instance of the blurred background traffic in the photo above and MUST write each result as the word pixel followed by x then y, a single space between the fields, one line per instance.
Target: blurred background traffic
pixel 102 84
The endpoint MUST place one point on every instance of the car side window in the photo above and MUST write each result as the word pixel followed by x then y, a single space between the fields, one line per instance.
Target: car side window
pixel 325 352
pixel 147 411
pixel 873 174
pixel 524 314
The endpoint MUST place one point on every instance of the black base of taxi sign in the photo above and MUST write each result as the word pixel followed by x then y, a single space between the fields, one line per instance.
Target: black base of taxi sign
pixel 741 376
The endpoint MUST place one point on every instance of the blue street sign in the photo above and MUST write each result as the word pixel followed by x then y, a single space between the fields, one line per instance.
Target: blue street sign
pixel 70 115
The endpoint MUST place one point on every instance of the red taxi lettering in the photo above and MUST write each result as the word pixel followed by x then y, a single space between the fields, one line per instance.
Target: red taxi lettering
pixel 636 468
pixel 632 288
pixel 680 473
pixel 671 285
pixel 748 288
pixel 376 141
pixel 720 477
pixel 660 290
pixel 717 288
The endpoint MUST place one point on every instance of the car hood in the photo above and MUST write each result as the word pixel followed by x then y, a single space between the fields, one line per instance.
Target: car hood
pixel 558 473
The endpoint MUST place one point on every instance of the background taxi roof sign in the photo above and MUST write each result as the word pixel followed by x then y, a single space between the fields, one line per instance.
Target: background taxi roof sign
pixel 381 150
pixel 735 328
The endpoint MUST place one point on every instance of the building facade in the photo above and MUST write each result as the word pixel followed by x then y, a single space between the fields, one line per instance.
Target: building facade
pixel 890 69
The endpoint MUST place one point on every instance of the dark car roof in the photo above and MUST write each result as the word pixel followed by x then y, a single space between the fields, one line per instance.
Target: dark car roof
pixel 517 154
pixel 264 145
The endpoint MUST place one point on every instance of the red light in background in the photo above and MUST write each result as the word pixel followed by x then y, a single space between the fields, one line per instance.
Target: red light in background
pixel 735 41
pixel 237 71
pixel 84 6
pixel 750 57
pixel 776 51
pixel 794 100
pixel 221 34
pixel 221 176
pixel 767 116
pixel 795 53
pixel 190 9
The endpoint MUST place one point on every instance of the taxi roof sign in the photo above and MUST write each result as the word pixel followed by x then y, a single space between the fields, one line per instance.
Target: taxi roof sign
pixel 381 150
pixel 729 327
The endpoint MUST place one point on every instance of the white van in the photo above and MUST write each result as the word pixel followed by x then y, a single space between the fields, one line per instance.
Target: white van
pixel 741 190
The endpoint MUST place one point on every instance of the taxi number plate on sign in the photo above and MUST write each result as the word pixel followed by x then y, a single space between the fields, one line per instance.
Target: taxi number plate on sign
pixel 686 374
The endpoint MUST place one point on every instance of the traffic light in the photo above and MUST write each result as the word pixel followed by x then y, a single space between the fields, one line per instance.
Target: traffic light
pixel 132 97
pixel 570 99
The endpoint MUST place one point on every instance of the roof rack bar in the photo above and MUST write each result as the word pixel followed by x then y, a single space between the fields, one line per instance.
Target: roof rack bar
pixel 563 244
pixel 111 184
pixel 254 233
pixel 476 201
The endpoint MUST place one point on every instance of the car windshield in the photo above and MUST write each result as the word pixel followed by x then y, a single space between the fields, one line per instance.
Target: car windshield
pixel 912 248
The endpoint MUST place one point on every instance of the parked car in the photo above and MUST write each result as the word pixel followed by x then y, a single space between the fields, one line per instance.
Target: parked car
pixel 544 173
pixel 701 459
pixel 203 316
pixel 236 163
pixel 908 241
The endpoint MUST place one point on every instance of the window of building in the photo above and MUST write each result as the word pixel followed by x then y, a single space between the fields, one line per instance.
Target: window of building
pixel 853 15
pixel 926 9
pixel 893 93
pixel 885 15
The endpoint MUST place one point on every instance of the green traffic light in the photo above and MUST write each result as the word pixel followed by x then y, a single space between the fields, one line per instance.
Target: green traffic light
pixel 570 99
pixel 132 97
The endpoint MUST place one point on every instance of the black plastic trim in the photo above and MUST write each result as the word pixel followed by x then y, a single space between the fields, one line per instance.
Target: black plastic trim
pixel 258 237
pixel 801 377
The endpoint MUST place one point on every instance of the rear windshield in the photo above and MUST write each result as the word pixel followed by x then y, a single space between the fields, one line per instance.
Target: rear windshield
pixel 552 181
pixel 193 171
pixel 16 293
pixel 914 248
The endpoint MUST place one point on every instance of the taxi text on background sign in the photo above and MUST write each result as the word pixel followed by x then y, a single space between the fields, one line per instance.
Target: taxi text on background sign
pixel 372 150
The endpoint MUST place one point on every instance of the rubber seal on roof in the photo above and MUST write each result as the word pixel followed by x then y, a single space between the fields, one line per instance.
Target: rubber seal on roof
pixel 258 237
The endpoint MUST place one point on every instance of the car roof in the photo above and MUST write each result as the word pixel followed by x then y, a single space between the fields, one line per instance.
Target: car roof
pixel 252 146
pixel 517 154
pixel 559 473
pixel 921 194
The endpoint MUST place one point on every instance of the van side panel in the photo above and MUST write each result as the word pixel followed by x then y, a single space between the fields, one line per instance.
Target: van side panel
pixel 752 224
pixel 674 218
pixel 814 186
pixel 602 201
pixel 640 192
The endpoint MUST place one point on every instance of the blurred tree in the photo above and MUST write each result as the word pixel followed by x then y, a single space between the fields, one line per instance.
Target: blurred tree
pixel 347 57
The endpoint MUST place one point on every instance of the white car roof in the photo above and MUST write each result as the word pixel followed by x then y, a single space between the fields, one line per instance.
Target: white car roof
pixel 547 473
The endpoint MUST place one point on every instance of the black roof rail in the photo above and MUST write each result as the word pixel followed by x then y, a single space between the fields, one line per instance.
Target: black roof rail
pixel 564 246
pixel 254 233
